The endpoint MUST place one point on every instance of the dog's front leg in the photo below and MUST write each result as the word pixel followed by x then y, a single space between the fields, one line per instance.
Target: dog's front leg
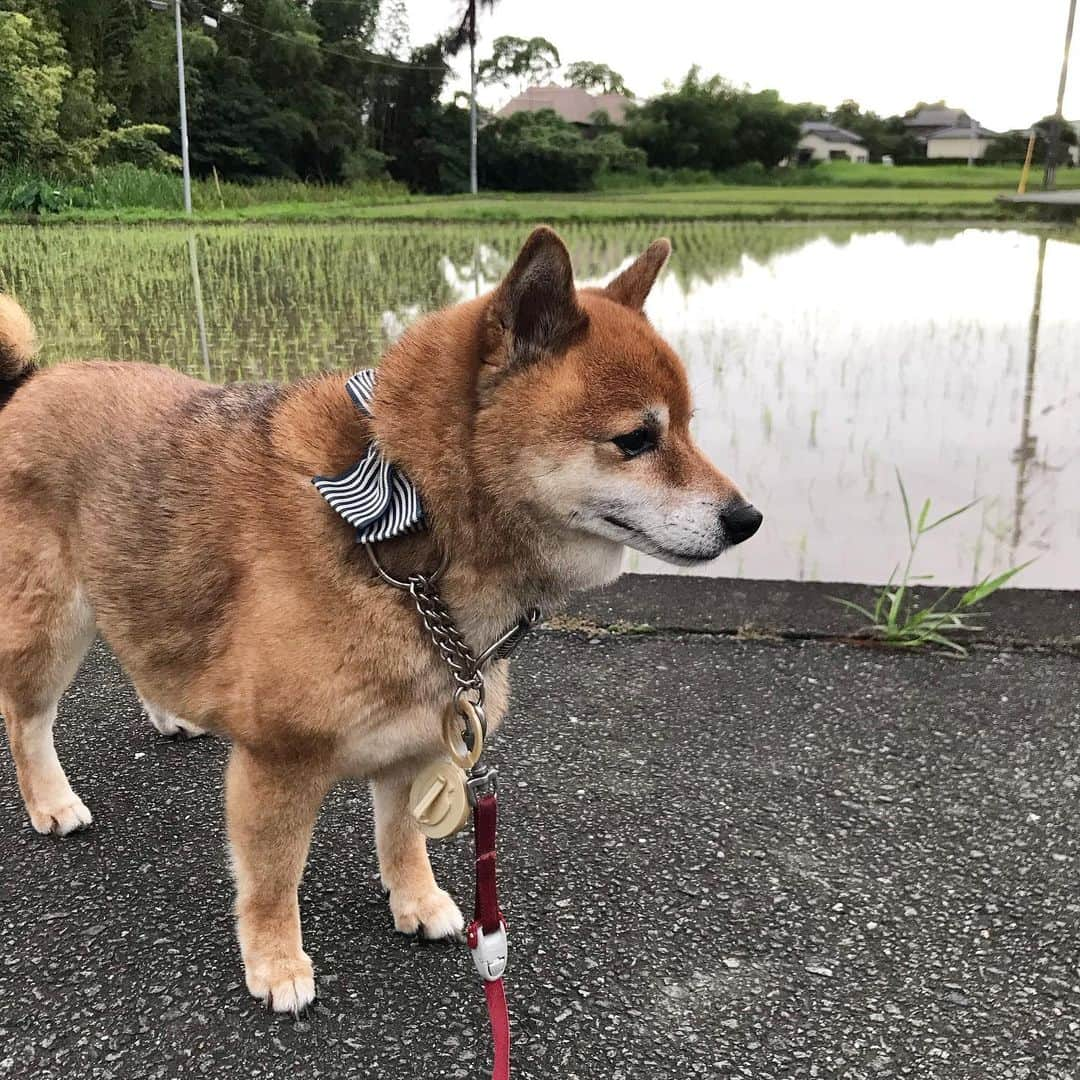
pixel 271 805
pixel 416 901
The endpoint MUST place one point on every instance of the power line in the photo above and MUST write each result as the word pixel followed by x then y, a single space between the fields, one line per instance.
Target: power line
pixel 367 58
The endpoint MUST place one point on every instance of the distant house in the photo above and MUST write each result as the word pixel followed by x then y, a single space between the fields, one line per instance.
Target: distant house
pixel 822 141
pixel 926 121
pixel 573 104
pixel 968 141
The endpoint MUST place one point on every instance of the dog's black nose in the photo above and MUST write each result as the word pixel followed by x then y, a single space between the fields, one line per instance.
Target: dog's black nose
pixel 741 522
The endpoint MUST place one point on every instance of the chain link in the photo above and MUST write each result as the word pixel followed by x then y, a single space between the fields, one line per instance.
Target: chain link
pixel 466 668
pixel 445 636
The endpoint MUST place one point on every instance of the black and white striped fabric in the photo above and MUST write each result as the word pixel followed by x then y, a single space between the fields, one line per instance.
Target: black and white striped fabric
pixel 373 495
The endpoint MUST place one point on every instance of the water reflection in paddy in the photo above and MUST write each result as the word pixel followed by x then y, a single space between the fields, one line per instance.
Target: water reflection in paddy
pixel 821 359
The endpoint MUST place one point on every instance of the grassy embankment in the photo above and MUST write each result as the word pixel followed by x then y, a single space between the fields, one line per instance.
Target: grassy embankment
pixel 837 191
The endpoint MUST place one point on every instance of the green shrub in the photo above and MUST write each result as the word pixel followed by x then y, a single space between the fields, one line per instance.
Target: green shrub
pixel 711 124
pixel 537 151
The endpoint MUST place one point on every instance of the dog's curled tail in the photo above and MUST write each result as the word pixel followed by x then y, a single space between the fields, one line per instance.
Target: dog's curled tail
pixel 18 346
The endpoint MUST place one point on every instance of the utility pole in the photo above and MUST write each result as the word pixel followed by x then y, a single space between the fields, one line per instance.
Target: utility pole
pixel 1050 175
pixel 472 96
pixel 193 257
pixel 183 108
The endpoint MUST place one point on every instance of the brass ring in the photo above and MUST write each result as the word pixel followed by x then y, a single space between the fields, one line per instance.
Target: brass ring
pixel 465 757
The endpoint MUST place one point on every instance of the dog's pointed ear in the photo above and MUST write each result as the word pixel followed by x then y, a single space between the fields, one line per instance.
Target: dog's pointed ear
pixel 536 304
pixel 632 287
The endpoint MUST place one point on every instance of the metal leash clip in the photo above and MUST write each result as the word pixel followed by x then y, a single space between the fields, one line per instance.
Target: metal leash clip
pixel 481 782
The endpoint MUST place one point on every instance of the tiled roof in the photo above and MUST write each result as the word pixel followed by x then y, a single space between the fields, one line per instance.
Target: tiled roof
pixel 941 118
pixel 962 133
pixel 829 132
pixel 570 102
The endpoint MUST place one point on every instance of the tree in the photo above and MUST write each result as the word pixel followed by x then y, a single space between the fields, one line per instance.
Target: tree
pixel 1012 145
pixel 589 75
pixel 808 110
pixel 54 118
pixel 357 21
pixel 150 94
pixel 710 124
pixel 538 151
pixel 517 59
pixel 426 143
pixel 33 73
pixel 767 131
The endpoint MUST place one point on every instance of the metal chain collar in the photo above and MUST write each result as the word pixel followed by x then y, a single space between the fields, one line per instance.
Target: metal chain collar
pixel 466 669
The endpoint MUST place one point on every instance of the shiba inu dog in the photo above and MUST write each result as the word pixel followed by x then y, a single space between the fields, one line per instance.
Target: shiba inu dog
pixel 545 427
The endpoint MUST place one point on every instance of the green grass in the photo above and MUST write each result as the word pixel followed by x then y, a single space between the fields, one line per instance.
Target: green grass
pixel 118 188
pixel 830 191
pixel 896 620
pixel 720 203
pixel 998 178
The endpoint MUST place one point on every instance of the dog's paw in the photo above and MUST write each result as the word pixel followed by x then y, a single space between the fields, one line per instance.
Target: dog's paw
pixel 286 986
pixel 66 815
pixel 433 915
pixel 169 725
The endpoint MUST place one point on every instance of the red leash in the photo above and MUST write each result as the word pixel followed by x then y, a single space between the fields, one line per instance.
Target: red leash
pixel 487 932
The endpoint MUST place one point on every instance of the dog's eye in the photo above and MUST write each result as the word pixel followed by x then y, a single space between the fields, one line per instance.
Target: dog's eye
pixel 638 441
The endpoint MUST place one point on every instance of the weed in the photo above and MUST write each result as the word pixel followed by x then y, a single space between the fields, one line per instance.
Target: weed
pixel 895 619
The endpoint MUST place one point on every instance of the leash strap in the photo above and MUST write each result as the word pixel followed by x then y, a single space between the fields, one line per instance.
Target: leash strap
pixel 500 1028
pixel 487 932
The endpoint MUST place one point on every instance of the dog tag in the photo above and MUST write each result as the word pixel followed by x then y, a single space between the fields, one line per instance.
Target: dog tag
pixel 439 801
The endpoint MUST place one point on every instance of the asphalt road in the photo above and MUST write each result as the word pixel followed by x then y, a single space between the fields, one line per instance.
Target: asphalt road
pixel 720 858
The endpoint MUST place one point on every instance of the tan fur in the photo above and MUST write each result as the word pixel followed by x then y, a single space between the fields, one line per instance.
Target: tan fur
pixel 18 341
pixel 180 520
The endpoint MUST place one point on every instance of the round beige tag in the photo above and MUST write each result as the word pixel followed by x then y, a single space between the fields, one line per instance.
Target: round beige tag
pixel 438 800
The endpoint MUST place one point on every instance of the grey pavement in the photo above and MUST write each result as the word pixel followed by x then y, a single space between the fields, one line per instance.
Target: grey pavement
pixel 722 855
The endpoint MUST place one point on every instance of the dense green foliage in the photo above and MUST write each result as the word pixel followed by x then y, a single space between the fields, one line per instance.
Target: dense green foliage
pixel 531 151
pixel 328 92
pixel 280 88
pixel 300 89
pixel 711 124
pixel 1012 146
pixel 53 112
pixel 519 61
pixel 597 78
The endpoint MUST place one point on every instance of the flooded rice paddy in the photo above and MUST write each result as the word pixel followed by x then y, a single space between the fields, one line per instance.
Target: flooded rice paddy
pixel 822 358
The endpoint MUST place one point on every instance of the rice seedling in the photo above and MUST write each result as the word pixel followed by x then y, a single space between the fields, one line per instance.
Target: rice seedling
pixel 288 300
pixel 896 619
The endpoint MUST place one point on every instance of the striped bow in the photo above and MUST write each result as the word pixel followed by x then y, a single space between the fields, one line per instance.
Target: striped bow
pixel 373 495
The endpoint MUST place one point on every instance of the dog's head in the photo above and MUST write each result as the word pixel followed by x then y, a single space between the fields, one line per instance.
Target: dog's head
pixel 584 419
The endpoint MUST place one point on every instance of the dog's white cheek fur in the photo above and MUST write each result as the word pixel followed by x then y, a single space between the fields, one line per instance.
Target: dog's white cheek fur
pixel 575 492
pixel 577 556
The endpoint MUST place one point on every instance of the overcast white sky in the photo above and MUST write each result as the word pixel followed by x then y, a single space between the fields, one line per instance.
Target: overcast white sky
pixel 998 60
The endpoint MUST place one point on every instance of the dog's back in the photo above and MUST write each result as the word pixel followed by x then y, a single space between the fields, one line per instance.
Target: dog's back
pixel 545 428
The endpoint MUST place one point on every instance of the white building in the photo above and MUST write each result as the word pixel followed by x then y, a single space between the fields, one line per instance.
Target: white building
pixel 959 143
pixel 822 141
